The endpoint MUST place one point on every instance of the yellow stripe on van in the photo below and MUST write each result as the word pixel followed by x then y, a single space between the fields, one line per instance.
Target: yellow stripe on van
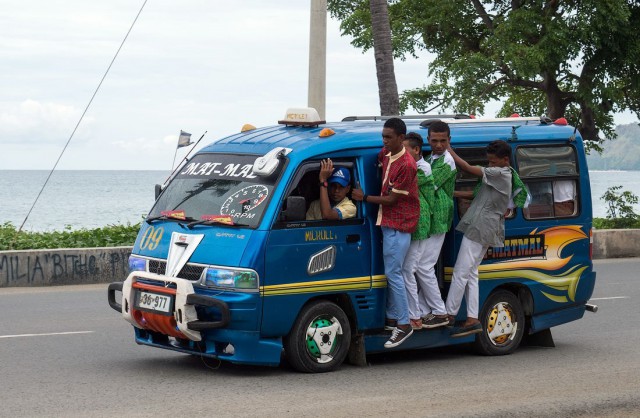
pixel 323 286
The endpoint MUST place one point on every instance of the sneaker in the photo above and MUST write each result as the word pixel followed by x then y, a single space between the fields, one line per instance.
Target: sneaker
pixel 398 336
pixel 416 324
pixel 463 331
pixel 435 321
pixel 427 316
pixel 390 324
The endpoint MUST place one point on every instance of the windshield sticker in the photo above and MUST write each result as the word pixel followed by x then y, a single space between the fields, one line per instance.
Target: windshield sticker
pixel 218 170
pixel 222 219
pixel 176 214
pixel 240 203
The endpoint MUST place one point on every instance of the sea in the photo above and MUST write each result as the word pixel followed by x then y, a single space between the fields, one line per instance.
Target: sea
pixel 91 199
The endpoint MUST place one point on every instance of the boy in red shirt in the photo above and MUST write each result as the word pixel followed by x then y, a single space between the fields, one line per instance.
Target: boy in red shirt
pixel 398 216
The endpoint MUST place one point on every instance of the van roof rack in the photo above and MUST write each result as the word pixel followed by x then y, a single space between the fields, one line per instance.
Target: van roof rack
pixel 526 120
pixel 439 116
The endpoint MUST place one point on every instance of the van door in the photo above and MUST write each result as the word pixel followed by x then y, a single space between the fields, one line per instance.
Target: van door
pixel 556 224
pixel 314 259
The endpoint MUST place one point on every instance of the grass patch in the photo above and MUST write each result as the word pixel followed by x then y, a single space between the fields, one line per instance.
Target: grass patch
pixel 616 223
pixel 108 236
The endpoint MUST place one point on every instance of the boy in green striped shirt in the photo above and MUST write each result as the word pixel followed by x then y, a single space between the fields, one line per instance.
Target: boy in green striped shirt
pixel 431 308
pixel 413 270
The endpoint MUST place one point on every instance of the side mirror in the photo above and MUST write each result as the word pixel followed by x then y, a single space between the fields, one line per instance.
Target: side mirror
pixel 158 190
pixel 296 209
pixel 266 165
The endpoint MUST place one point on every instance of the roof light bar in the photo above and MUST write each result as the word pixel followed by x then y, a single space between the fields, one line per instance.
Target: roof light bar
pixel 301 116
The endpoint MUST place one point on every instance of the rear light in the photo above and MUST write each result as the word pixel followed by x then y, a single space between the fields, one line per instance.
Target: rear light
pixel 591 244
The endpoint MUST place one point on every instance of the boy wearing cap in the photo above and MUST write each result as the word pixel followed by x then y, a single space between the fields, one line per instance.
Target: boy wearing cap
pixel 333 204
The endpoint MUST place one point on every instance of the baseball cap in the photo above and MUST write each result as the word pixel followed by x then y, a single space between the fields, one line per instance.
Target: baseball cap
pixel 341 176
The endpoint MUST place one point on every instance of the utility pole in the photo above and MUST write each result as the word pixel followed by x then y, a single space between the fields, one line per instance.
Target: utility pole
pixel 318 57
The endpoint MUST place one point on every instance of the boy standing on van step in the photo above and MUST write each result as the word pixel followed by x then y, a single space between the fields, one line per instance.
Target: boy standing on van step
pixel 414 269
pixel 483 226
pixel 431 306
pixel 398 217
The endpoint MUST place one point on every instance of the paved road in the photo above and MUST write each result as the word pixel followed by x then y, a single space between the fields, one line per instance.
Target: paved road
pixel 594 370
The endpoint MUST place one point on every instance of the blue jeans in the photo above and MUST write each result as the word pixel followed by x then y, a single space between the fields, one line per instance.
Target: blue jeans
pixel 395 245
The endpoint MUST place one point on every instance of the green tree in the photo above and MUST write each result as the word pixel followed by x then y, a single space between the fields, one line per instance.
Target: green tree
pixel 620 213
pixel 575 58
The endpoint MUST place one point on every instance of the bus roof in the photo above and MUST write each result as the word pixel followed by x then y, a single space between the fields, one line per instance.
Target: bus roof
pixel 306 141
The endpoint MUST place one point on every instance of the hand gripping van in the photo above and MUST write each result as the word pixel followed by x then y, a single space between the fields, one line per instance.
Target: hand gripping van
pixel 226 266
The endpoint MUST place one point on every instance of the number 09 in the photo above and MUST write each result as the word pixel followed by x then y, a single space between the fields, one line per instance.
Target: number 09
pixel 151 238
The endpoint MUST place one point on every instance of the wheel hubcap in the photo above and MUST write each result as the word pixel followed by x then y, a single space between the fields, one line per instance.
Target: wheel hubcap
pixel 323 338
pixel 502 324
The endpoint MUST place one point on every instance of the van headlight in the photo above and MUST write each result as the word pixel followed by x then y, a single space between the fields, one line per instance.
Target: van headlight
pixel 137 264
pixel 237 279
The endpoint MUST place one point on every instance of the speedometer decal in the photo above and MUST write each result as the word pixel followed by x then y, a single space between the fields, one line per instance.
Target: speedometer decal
pixel 244 200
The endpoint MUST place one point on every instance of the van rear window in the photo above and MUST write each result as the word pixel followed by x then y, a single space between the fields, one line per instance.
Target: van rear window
pixel 551 175
pixel 546 161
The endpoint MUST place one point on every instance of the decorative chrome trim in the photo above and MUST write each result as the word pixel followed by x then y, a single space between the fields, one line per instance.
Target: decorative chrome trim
pixel 322 261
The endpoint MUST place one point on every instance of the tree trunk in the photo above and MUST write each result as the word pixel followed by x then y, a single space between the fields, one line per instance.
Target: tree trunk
pixel 556 105
pixel 383 52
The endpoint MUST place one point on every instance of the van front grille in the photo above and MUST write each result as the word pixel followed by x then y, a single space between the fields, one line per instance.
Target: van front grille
pixel 189 271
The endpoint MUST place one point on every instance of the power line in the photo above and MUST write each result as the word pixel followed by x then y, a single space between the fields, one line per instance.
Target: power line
pixel 83 113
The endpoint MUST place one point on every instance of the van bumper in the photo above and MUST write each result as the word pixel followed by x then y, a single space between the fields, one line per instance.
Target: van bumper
pixel 234 346
pixel 210 323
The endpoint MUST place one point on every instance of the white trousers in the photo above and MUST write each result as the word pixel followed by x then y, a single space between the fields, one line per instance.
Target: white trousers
pixel 465 278
pixel 419 272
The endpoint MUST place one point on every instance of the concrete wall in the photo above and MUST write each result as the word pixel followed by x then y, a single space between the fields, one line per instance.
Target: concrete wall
pixel 63 266
pixel 106 265
pixel 616 243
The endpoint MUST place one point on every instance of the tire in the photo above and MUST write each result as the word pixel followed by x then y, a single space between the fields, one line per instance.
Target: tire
pixel 503 324
pixel 319 340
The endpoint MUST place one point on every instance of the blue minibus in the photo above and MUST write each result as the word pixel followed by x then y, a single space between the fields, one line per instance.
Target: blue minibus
pixel 226 266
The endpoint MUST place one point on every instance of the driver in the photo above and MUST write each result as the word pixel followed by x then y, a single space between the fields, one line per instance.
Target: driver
pixel 333 204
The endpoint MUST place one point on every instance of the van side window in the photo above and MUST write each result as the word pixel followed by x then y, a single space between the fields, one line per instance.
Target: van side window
pixel 467 182
pixel 551 174
pixel 306 184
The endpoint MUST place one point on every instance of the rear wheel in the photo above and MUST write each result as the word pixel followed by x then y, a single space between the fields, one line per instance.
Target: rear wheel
pixel 320 337
pixel 503 323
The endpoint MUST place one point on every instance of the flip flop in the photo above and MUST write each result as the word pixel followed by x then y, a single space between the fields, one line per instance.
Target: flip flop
pixel 468 330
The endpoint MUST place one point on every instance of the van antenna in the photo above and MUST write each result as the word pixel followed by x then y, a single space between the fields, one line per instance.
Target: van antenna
pixel 575 129
pixel 514 136
pixel 83 113
pixel 184 159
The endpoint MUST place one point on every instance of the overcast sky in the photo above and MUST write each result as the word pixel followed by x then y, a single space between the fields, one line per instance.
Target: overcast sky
pixel 195 65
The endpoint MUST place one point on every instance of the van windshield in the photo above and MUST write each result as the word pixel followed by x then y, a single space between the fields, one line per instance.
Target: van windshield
pixel 217 188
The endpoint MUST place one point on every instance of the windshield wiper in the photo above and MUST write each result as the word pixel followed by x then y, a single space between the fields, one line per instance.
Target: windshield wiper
pixel 168 218
pixel 210 222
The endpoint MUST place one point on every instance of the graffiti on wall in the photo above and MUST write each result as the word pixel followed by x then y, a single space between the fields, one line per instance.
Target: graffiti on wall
pixel 63 267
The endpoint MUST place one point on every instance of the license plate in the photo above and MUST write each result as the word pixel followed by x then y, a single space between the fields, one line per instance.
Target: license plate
pixel 154 302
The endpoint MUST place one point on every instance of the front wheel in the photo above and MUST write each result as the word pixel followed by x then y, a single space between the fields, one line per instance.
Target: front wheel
pixel 320 337
pixel 503 324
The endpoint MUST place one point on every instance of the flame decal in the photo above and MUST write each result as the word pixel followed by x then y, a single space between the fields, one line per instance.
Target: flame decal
pixel 541 269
